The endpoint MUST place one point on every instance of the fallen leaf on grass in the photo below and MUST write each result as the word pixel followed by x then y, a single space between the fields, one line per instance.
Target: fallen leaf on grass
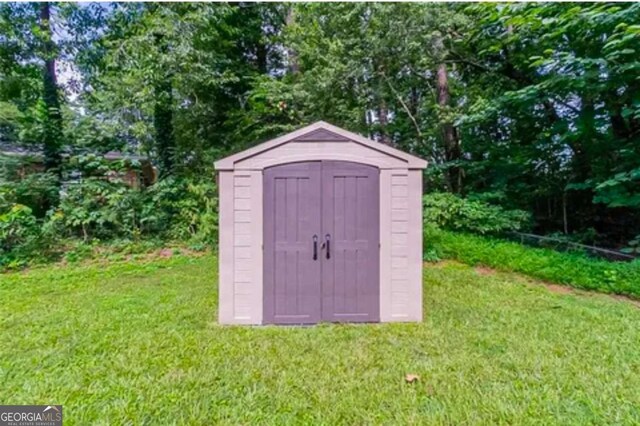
pixel 411 378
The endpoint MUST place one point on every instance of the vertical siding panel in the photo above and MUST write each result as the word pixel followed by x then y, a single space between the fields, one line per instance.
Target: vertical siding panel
pixel 241 205
pixel 350 257
pixel 279 206
pixel 400 246
pixel 279 234
pixel 279 271
pixel 241 244
pixel 304 222
pixel 415 246
pixel 225 248
pixel 350 194
pixel 256 246
pixel 385 246
pixel 290 295
pixel 339 218
pixel 339 230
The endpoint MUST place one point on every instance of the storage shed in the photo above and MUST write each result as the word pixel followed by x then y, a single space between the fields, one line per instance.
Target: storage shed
pixel 317 225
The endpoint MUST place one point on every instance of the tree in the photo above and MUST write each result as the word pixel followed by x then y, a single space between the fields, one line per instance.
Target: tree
pixel 564 74
pixel 163 113
pixel 175 75
pixel 529 106
pixel 52 119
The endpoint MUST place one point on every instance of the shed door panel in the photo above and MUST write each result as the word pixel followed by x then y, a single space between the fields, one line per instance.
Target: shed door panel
pixel 339 203
pixel 350 231
pixel 292 279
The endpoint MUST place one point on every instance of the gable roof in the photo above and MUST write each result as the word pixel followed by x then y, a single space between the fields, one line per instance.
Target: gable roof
pixel 320 131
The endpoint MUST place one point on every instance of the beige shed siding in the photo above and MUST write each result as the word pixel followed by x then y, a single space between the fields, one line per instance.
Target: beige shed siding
pixel 400 241
pixel 310 151
pixel 400 245
pixel 241 229
pixel 241 226
pixel 386 240
pixel 226 262
pixel 414 269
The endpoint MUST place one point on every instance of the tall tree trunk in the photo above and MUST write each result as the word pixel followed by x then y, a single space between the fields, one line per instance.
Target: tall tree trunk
pixel 163 116
pixel 382 110
pixel 292 55
pixel 262 49
pixel 383 122
pixel 452 150
pixel 163 126
pixel 261 57
pixel 52 133
pixel 581 147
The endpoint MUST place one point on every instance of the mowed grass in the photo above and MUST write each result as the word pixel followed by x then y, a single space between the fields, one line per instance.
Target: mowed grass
pixel 138 343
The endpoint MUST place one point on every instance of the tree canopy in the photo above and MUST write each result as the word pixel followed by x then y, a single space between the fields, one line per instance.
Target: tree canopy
pixel 534 106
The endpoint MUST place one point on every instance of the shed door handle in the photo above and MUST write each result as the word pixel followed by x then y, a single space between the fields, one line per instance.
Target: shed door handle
pixel 328 239
pixel 315 247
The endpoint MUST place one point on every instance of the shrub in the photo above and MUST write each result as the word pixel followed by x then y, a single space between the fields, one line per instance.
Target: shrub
pixel 633 246
pixel 448 211
pixel 197 219
pixel 35 190
pixel 100 208
pixel 572 268
pixel 19 235
pixel 173 209
pixel 183 210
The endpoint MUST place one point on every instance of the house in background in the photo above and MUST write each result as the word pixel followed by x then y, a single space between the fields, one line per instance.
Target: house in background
pixel 145 175
pixel 138 170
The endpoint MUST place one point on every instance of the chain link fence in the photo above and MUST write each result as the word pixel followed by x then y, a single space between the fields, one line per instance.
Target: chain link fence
pixel 563 245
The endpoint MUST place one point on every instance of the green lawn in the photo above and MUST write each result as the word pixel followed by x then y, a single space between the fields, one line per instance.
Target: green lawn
pixel 138 343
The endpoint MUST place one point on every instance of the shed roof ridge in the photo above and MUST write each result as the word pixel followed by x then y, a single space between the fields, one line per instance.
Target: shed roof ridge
pixel 227 163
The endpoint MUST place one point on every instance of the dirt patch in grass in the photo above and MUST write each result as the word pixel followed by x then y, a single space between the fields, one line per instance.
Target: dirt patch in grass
pixel 559 289
pixel 634 302
pixel 484 270
pixel 552 287
pixel 102 256
pixel 565 289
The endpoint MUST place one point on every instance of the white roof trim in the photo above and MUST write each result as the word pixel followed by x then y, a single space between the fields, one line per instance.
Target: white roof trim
pixel 228 163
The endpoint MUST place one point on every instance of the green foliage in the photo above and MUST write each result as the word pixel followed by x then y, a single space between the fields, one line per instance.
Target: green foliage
pixel 25 187
pixel 173 209
pixel 197 221
pixel 431 255
pixel 633 246
pixel 588 237
pixel 174 76
pixel 556 111
pixel 527 106
pixel 79 250
pixel 186 210
pixel 572 268
pixel 19 235
pixel 448 211
pixel 620 190
pixel 99 208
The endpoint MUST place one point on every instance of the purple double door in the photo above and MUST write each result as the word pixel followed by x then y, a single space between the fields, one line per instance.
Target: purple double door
pixel 321 243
